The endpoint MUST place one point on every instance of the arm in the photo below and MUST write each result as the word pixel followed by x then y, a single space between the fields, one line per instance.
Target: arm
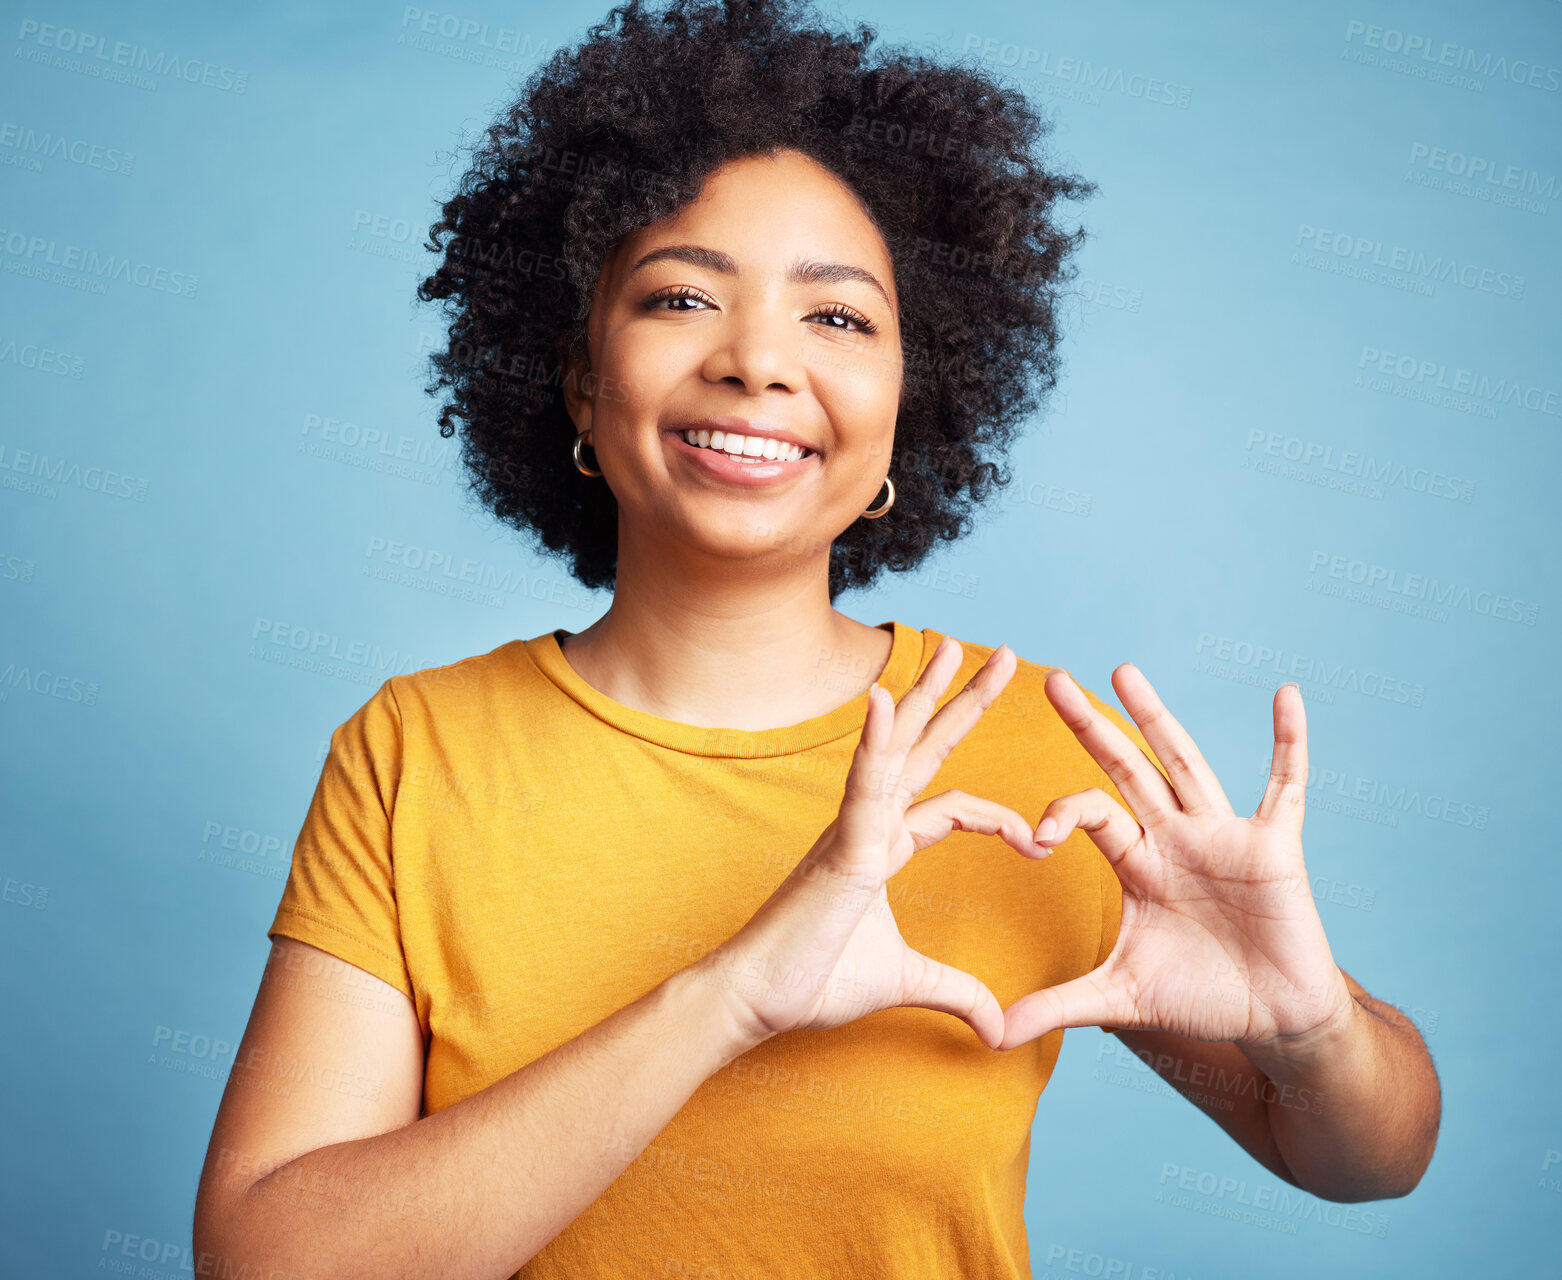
pixel 303 1180
pixel 1353 1116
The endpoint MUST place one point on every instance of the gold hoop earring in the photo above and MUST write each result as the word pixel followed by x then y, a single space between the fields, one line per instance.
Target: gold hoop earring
pixel 873 513
pixel 580 465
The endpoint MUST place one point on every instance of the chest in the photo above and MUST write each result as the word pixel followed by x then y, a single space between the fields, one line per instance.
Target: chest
pixel 543 889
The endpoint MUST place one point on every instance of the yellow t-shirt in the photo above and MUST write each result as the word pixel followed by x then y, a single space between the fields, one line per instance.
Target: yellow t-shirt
pixel 522 855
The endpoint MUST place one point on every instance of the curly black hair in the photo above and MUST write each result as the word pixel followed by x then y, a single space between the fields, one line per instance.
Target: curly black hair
pixel 622 131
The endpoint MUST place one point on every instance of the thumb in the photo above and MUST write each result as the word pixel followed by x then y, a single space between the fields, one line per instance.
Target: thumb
pixel 930 984
pixel 1081 1002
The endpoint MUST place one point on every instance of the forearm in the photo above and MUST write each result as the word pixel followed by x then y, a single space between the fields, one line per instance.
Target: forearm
pixel 477 1189
pixel 1373 1135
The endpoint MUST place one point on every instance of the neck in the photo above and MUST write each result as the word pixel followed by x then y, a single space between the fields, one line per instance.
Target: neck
pixel 741 644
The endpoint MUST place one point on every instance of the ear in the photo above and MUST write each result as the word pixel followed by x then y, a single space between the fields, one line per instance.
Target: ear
pixel 574 365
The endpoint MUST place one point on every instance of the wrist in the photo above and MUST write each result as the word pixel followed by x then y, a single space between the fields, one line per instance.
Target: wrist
pixel 1330 1044
pixel 715 1009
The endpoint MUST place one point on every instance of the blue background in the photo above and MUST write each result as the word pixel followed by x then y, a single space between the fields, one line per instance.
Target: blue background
pixel 1224 323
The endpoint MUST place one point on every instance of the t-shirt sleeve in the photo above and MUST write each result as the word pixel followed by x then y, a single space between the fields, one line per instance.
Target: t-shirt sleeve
pixel 1111 886
pixel 340 894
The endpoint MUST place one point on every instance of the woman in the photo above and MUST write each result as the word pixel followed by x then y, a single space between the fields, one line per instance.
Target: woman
pixel 647 950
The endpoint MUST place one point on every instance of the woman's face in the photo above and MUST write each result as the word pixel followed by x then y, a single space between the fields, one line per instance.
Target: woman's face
pixel 788 322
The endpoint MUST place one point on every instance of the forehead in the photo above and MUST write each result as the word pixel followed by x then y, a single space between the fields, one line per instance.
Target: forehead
pixel 768 210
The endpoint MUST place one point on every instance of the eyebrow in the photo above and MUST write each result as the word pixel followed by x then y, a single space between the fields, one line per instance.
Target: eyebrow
pixel 803 271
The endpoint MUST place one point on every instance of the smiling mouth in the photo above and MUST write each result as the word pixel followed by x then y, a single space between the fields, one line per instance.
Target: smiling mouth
pixel 741 448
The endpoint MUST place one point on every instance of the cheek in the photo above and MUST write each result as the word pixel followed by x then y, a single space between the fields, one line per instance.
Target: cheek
pixel 862 405
pixel 638 373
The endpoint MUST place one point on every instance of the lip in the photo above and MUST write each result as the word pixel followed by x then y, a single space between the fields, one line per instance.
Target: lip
pixel 720 465
pixel 746 427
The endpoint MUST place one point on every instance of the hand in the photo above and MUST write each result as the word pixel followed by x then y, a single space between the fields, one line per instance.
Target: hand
pixel 1220 937
pixel 824 948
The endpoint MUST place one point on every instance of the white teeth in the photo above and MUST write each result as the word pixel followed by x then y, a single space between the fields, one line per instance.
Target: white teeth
pixel 744 446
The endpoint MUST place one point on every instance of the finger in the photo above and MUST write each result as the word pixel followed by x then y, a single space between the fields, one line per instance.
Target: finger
pixel 916 704
pixel 955 719
pixel 929 821
pixel 1110 827
pixel 1285 797
pixel 1193 780
pixel 1139 781
pixel 1081 1002
pixel 931 984
pixel 862 815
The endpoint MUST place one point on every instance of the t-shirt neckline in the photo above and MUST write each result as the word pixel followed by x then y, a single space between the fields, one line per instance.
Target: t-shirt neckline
pixel 905 662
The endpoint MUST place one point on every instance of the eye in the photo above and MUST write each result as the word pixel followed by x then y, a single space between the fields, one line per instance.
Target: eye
pixel 845 319
pixel 839 311
pixel 679 293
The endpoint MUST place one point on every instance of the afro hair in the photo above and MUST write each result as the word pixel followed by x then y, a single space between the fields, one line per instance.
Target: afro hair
pixel 622 130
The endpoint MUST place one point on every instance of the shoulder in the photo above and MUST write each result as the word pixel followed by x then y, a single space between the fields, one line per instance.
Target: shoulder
pixel 470 680
pixel 445 694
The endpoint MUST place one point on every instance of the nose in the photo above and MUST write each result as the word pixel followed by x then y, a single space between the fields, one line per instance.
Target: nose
pixel 757 350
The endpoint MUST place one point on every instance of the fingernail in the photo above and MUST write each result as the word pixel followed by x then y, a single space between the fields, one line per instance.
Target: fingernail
pixel 1047 829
